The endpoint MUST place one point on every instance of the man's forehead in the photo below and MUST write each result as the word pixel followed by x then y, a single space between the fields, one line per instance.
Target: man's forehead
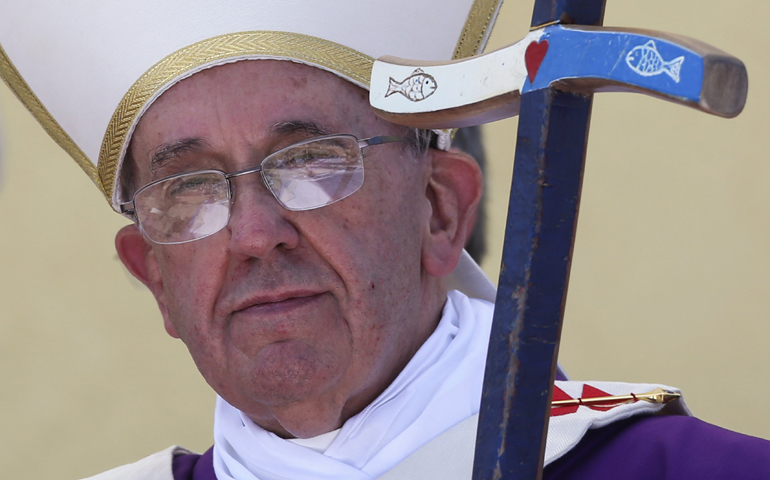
pixel 282 97
pixel 260 77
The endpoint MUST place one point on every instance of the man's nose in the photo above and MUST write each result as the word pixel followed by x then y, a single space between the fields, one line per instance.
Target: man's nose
pixel 258 223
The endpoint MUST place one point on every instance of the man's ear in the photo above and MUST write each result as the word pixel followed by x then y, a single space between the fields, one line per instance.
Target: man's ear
pixel 136 254
pixel 454 191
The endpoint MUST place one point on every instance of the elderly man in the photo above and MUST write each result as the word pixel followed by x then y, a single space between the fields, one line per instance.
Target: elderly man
pixel 308 254
pixel 299 316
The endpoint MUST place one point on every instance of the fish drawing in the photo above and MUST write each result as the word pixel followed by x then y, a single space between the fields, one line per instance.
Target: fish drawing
pixel 647 62
pixel 416 87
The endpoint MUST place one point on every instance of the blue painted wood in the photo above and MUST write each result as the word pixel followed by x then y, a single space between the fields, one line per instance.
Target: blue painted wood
pixel 542 217
pixel 628 59
pixel 532 289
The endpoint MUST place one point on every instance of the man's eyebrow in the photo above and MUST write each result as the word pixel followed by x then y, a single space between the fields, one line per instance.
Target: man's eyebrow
pixel 298 126
pixel 176 149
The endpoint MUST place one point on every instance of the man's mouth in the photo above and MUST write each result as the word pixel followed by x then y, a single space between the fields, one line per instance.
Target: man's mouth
pixel 280 302
pixel 271 319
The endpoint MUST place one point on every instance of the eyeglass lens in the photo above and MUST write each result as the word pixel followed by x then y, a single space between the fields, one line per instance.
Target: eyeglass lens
pixel 184 208
pixel 316 173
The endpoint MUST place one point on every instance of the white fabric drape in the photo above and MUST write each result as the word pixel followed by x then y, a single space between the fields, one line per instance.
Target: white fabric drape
pixel 440 387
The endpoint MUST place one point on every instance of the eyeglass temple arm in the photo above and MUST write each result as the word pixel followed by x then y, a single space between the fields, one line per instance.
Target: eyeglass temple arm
pixel 368 142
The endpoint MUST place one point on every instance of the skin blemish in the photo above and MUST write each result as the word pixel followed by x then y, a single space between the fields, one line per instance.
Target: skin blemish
pixel 372 285
pixel 298 82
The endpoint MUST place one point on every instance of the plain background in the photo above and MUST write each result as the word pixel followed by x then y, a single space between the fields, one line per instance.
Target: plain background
pixel 669 283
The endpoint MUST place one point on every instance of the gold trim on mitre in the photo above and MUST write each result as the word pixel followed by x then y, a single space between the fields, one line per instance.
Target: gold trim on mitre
pixel 19 87
pixel 324 54
pixel 476 31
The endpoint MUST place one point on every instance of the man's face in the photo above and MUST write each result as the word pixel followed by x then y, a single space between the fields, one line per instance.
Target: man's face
pixel 299 319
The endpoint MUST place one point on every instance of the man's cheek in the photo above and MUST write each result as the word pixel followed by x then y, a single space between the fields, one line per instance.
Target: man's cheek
pixel 192 277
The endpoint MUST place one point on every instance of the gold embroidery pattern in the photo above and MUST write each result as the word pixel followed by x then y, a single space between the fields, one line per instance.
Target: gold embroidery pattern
pixel 19 87
pixel 324 53
pixel 472 39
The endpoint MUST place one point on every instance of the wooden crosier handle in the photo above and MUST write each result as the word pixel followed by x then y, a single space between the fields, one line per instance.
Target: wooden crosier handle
pixel 488 87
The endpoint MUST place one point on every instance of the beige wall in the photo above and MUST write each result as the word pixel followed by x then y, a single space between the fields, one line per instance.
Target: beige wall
pixel 669 282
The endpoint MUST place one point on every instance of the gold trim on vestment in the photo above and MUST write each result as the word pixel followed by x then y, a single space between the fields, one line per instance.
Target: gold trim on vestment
pixel 18 86
pixel 303 48
pixel 476 31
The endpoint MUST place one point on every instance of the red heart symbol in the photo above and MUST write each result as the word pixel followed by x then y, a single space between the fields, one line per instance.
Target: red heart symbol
pixel 534 56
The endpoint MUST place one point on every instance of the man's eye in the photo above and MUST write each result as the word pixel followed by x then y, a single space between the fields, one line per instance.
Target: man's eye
pixel 309 157
pixel 192 185
pixel 320 165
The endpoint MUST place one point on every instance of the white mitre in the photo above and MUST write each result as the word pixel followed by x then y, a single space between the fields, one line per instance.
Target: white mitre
pixel 88 70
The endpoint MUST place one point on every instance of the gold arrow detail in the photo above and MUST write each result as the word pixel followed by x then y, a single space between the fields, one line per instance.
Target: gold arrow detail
pixel 656 396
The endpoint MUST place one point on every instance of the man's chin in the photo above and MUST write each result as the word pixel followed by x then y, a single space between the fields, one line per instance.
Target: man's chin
pixel 287 374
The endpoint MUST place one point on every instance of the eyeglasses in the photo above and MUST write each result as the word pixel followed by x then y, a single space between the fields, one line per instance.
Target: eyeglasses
pixel 307 175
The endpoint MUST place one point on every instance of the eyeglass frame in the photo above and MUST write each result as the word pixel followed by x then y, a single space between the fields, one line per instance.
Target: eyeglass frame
pixel 362 143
